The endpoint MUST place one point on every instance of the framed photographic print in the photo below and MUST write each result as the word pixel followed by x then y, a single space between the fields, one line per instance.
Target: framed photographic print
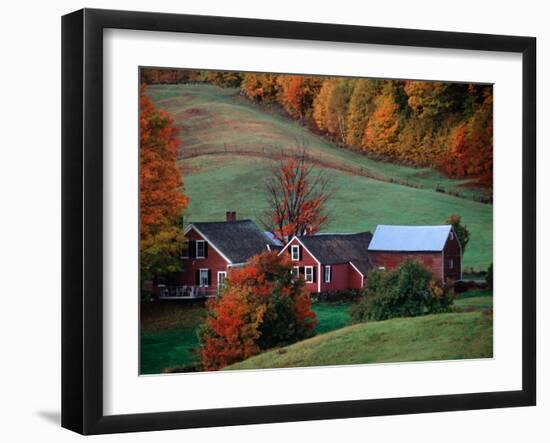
pixel 270 221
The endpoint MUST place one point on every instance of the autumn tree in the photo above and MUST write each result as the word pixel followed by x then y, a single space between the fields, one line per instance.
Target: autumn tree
pixel 262 306
pixel 225 79
pixel 359 110
pixel 161 199
pixel 260 87
pixel 381 134
pixel 462 231
pixel 297 197
pixel 297 93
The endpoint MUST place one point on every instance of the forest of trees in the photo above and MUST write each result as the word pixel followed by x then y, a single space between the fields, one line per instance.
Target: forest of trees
pixel 448 126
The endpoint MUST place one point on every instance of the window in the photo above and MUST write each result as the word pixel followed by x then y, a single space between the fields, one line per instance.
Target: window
pixel 328 274
pixel 221 279
pixel 200 249
pixel 451 236
pixel 451 264
pixel 296 271
pixel 295 252
pixel 308 274
pixel 203 278
pixel 381 268
pixel 185 249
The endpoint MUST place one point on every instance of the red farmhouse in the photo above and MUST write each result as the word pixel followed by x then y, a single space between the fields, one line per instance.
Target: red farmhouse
pixel 435 247
pixel 212 248
pixel 330 262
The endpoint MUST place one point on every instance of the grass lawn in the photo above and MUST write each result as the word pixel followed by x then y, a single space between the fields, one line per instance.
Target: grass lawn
pixel 331 316
pixel 169 336
pixel 169 340
pixel 431 337
pixel 215 120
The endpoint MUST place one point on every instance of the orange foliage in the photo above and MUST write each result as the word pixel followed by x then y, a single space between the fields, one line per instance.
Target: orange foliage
pixel 247 318
pixel 161 200
pixel 382 129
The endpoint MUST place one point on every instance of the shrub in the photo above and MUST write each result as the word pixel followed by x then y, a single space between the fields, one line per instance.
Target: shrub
pixel 408 291
pixel 339 296
pixel 261 307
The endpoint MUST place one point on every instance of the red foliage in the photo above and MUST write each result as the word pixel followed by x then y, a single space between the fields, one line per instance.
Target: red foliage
pixel 297 198
pixel 240 323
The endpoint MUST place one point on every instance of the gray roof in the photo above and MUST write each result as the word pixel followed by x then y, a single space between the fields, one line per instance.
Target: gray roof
pixel 409 238
pixel 237 240
pixel 340 248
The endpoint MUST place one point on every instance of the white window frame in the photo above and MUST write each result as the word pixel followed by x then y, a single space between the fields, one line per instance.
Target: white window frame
pixel 381 268
pixel 197 242
pixel 224 273
pixel 451 263
pixel 297 249
pixel 296 271
pixel 328 275
pixel 200 278
pixel 306 268
pixel 452 235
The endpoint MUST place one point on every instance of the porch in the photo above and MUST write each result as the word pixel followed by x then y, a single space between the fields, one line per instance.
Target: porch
pixel 185 292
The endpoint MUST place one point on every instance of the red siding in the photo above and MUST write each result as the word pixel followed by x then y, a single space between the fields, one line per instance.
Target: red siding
pixel 214 262
pixel 343 275
pixel 306 260
pixel 392 259
pixel 356 281
pixel 452 252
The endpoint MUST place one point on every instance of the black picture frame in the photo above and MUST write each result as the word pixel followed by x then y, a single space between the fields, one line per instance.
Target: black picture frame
pixel 82 218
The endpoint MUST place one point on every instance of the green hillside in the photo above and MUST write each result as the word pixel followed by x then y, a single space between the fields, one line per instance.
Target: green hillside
pixel 433 337
pixel 227 142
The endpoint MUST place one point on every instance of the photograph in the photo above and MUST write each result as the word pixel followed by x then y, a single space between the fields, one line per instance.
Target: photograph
pixel 292 220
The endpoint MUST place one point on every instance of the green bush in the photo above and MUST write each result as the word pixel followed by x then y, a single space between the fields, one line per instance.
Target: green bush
pixel 408 291
pixel 338 296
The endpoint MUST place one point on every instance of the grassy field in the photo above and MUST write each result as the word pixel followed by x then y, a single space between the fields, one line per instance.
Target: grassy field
pixel 235 139
pixel 169 339
pixel 169 336
pixel 432 337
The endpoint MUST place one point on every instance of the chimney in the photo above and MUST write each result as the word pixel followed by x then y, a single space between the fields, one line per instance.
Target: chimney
pixel 230 216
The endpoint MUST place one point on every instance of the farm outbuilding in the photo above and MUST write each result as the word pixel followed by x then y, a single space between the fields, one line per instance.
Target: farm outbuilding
pixel 435 247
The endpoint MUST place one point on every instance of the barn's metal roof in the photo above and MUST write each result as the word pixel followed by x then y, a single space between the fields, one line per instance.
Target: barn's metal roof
pixel 409 238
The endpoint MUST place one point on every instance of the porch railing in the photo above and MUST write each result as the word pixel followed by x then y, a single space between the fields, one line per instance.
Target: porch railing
pixel 182 292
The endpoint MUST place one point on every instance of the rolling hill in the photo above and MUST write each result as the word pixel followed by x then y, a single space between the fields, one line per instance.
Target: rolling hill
pixel 428 338
pixel 228 144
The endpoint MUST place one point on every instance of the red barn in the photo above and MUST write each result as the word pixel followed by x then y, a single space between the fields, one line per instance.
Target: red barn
pixel 330 262
pixel 435 247
pixel 212 248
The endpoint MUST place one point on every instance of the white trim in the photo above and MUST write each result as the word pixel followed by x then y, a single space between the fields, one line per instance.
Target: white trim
pixel 303 246
pixel 200 277
pixel 329 267
pixel 292 249
pixel 218 278
pixel 305 274
pixel 191 226
pixel 203 242
pixel 360 273
pixel 319 277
